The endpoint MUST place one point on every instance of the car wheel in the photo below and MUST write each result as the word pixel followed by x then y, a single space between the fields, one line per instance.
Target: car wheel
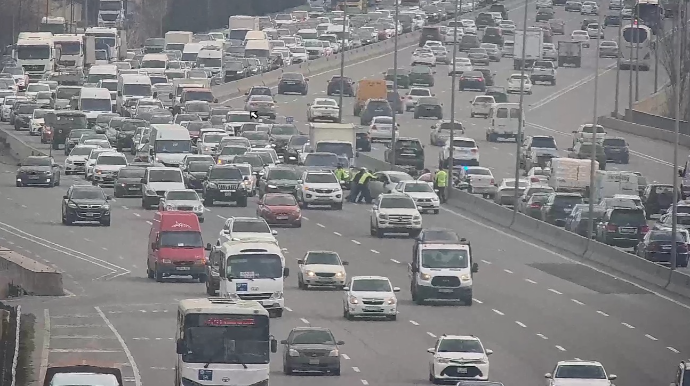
pixel 158 274
pixel 287 370
pixel 150 274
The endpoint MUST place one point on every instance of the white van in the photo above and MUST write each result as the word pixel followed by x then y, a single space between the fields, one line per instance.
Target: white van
pixel 100 72
pixel 93 102
pixel 308 34
pixel 504 121
pixel 608 183
pixel 169 144
pixel 154 63
pixel 210 59
pixel 255 35
pixel 131 87
pixel 258 49
pixel 190 52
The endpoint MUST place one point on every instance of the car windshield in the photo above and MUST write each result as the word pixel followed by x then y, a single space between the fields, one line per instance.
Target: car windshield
pixel 460 345
pixel 580 372
pixel 173 146
pixel 250 227
pixel 183 239
pixel 397 202
pixel 464 143
pixel 283 174
pixel 284 130
pixel 26 108
pixel 87 194
pixel 324 160
pixel 312 337
pixel 41 113
pixel 371 285
pixel 172 175
pixel 131 173
pixel 632 217
pixel 280 200
pixel 543 142
pixel 298 141
pixel 233 150
pixel 225 174
pixel 445 258
pixel 382 121
pixel 325 258
pixel 182 195
pixel 197 108
pixel 418 188
pixel 111 160
pixel 255 266
pixel 213 138
pixel 617 142
pixel 42 161
pixel 321 178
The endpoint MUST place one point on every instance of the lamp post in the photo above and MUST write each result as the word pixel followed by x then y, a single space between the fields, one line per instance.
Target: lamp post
pixel 395 81
pixel 593 159
pixel 453 81
pixel 618 64
pixel 518 142
pixel 342 65
pixel 633 38
pixel 676 107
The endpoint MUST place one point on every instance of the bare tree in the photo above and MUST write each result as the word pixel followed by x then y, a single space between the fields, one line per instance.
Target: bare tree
pixel 148 20
pixel 667 49
pixel 17 16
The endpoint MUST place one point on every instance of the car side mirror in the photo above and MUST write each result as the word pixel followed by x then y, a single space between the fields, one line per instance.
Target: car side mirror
pixel 396 289
pixel 489 351
pixel 108 198
pixel 571 149
pixel 300 262
pixel 431 350
pixel 171 96
pixel 180 349
pixel 346 288
pixel 284 341
pixel 208 246
pixel 613 377
pixel 274 345
pixel 340 343
pixel 274 233
pixel 574 131
pixel 65 197
pixel 286 272
pixel 346 263
pixel 548 376
pixel 475 267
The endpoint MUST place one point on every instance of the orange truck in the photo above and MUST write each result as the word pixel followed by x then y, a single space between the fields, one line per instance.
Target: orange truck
pixel 369 89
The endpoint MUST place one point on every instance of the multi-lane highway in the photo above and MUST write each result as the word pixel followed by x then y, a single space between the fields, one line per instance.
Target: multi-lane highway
pixel 533 306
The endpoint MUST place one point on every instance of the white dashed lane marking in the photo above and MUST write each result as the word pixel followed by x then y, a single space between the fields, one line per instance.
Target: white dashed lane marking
pixel 673 349
pixel 542 336
pixel 375 251
pixel 602 313
pixel 477 301
pixel 577 302
pixel 395 261
pixel 345 356
pixel 320 225
pixel 556 292
pixel 414 323
pixel 356 242
pixel 650 337
pixel 519 323
pixel 498 312
pixel 337 233
pixel 356 369
pixel 560 348
pixel 628 325
pixel 431 334
pixel 508 271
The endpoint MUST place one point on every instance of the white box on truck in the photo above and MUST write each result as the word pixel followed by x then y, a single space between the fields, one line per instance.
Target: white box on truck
pixel 534 43
pixel 175 40
pixel 338 138
pixel 243 22
pixel 570 174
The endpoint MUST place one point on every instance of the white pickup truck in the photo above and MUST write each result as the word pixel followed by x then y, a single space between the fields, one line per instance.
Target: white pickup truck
pixel 587 132
pixel 543 71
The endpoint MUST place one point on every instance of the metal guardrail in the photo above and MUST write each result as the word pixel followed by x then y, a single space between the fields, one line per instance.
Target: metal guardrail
pixel 10 319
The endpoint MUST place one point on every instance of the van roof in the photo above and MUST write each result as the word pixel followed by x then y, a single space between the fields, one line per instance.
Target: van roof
pixel 177 221
pixel 92 92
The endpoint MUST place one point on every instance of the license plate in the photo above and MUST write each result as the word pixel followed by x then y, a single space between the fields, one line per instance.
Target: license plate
pixel 33 177
pixel 89 214
pixel 628 230
pixel 373 309
pixel 313 361
pixel 462 370
pixel 323 198
pixel 183 268
pixel 133 188
pixel 666 247
pixel 281 217
pixel 446 291
pixel 228 194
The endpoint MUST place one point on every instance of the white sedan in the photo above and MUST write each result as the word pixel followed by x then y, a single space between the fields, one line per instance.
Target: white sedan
pixel 325 109
pixel 423 56
pixel 514 84
pixel 433 43
pixel 481 105
pixel 595 31
pixel 462 65
pixel 580 36
pixel 469 26
pixel 413 96
pixel 449 37
pixel 381 128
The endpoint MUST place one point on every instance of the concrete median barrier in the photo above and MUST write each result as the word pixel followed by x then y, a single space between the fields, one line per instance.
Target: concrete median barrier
pixel 680 283
pixel 32 277
pixel 15 146
pixel 627 263
pixel 549 234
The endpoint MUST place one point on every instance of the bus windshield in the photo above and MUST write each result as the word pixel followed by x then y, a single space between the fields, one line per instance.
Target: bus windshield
pixel 225 338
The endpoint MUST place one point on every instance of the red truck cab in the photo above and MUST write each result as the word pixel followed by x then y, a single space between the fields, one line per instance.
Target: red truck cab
pixel 175 247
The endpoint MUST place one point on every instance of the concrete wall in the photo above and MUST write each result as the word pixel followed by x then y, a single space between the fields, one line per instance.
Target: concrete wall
pixel 33 277
pixel 643 130
pixel 558 238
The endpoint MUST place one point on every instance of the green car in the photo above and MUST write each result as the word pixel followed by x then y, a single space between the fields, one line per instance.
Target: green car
pixel 422 75
pixel 403 77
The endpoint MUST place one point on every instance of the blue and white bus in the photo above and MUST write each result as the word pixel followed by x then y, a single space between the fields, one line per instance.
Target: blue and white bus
pixel 636 47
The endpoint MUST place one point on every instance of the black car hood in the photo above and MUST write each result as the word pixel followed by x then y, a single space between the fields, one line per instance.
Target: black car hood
pixel 88 202
pixel 129 180
pixel 23 116
pixel 282 182
pixel 25 169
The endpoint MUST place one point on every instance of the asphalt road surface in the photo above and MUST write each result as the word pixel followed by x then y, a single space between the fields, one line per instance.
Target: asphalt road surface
pixel 533 305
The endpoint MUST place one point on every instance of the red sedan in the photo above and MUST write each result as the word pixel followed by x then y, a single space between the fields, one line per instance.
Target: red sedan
pixel 280 209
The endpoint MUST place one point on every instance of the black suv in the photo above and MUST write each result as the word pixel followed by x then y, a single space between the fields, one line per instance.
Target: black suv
pixel 493 35
pixel 128 182
pixel 558 206
pixel 224 183
pixel 375 108
pixel 333 87
pixel 622 227
pixel 363 141
pixel 408 152
pixel 428 107
pixel 194 174
pixel 73 138
pixel 85 203
pixel 125 136
pixel 429 33
pixel 617 150
pixel 422 75
pixel 234 70
pixel 38 170
pixel 293 82
pixel 279 179
pixel 485 19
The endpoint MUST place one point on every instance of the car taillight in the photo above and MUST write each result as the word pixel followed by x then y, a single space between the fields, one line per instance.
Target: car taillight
pixel 474 150
pixel 493 181
pixel 480 79
pixel 611 228
pixel 534 179
pixel 644 229
pixel 535 205
pixel 463 78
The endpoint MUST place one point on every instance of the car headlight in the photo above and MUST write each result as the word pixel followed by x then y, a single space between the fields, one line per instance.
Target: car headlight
pixel 277 295
pixel 169 207
pixel 198 208
pixel 311 274
pixel 98 171
pixel 272 187
pixel 353 300
pixel 383 216
pixel 49 174
pixel 212 185
pixel 293 352
pixel 442 360
pixel 309 189
pixel 425 276
pixel 417 217
pixel 340 274
pixel 434 198
pixel 391 301
pixel 334 353
pixel 69 161
pixel 72 205
pixel 465 277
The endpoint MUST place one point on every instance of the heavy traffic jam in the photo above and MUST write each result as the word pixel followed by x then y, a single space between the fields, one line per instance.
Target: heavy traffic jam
pixel 143 128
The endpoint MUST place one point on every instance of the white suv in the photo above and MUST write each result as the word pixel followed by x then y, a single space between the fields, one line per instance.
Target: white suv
pixel 458 357
pixel 91 161
pixel 395 213
pixel 422 193
pixel 578 372
pixel 106 167
pixel 370 296
pixel 76 161
pixel 320 188
pixel 414 95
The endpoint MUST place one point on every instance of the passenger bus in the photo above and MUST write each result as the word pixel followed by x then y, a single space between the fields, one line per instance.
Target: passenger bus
pixel 650 13
pixel 223 341
pixel 636 47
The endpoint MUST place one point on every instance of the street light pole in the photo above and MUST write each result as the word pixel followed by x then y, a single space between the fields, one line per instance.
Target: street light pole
pixel 633 39
pixel 395 82
pixel 518 142
pixel 342 65
pixel 593 159
pixel 676 108
pixel 618 65
pixel 453 80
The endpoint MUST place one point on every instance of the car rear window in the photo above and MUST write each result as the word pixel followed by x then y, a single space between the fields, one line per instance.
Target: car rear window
pixel 624 217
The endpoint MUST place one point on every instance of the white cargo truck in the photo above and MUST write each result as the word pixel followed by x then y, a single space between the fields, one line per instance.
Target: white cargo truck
pixel 337 138
pixel 608 183
pixel 534 43
pixel 175 40
pixel 571 175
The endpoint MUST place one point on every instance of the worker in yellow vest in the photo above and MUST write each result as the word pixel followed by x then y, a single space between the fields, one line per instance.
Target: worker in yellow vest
pixel 441 183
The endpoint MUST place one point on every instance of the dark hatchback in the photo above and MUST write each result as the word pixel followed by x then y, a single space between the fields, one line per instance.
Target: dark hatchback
pixel 38 170
pixel 559 206
pixel 493 35
pixel 293 82
pixel 333 87
pixel 375 108
pixel 499 93
pixel 488 77
pixel 622 227
pixel 23 114
pixel 403 77
pixel 293 147
pixel 428 107
pixel 617 150
pixel 309 349
pixel 128 182
pixel 125 136
pixel 279 179
pixel 422 75
pixel 485 19
pixel 472 80
pixel 657 244
pixel 85 203
pixel 612 19
pixel 363 141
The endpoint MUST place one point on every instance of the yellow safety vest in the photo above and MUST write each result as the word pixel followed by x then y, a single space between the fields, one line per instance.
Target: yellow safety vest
pixel 441 179
pixel 340 174
pixel 364 178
